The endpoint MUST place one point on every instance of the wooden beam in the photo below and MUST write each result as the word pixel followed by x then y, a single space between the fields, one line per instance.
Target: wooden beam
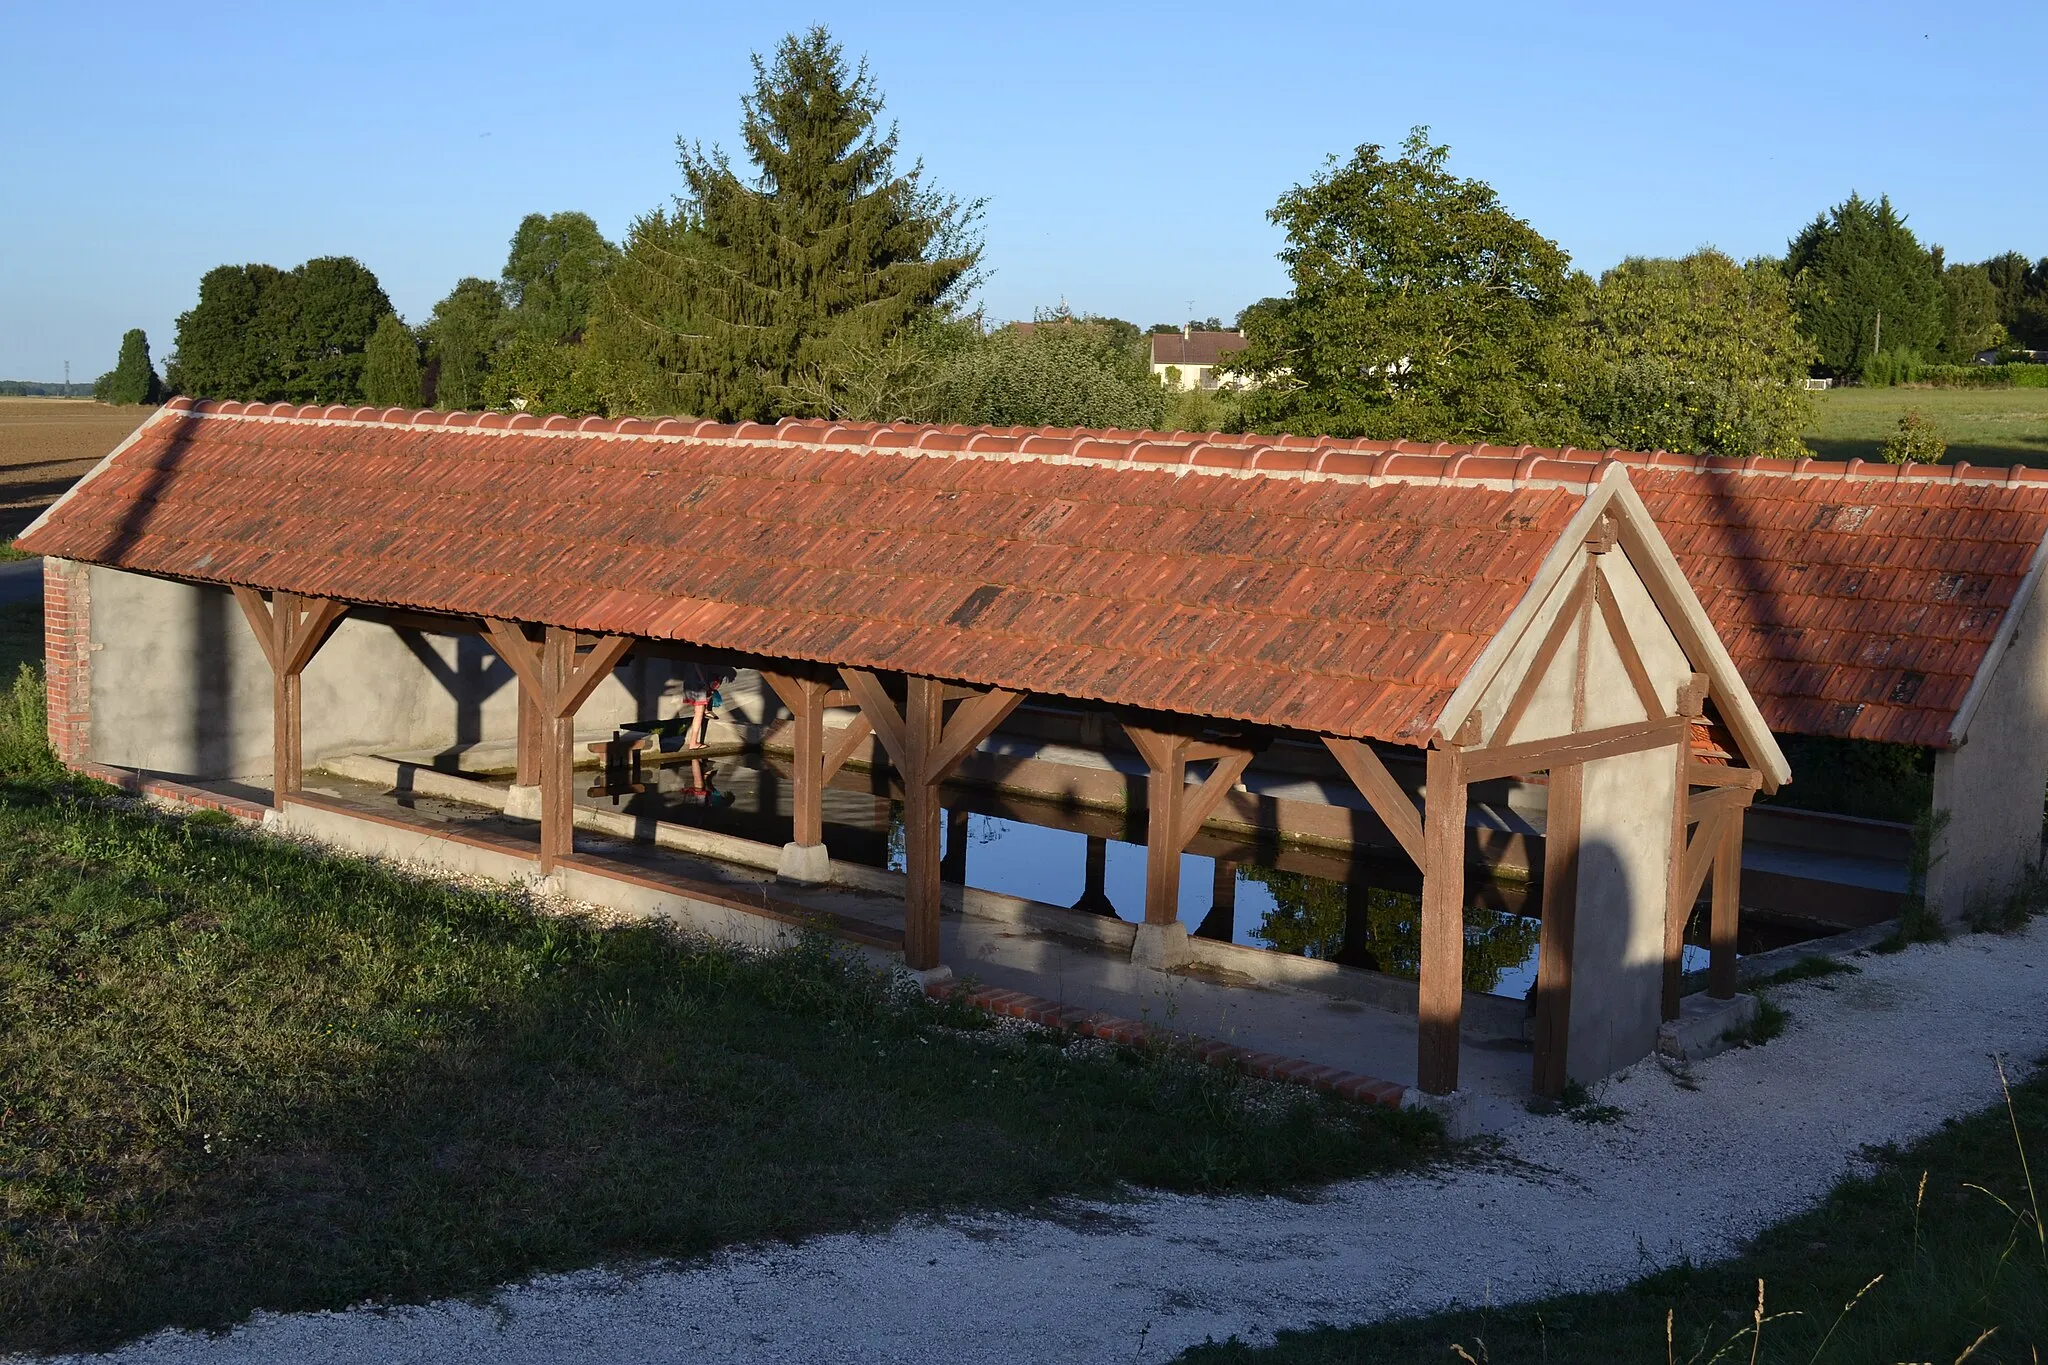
pixel 1677 908
pixel 1387 798
pixel 1725 919
pixel 312 631
pixel 521 655
pixel 528 773
pixel 973 721
pixel 1698 774
pixel 851 736
pixel 1197 808
pixel 880 709
pixel 1699 855
pixel 922 728
pixel 257 612
pixel 1165 799
pixel 1625 646
pixel 1552 1066
pixel 1586 746
pixel 1568 618
pixel 1441 993
pixel 586 673
pixel 1700 804
pixel 557 756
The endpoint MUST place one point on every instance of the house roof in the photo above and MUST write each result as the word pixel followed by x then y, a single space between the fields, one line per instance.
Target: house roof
pixel 1194 348
pixel 1307 586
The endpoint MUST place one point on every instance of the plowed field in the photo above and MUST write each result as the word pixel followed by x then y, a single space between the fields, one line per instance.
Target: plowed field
pixel 45 444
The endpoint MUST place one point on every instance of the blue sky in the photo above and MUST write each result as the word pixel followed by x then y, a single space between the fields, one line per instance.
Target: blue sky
pixel 1128 155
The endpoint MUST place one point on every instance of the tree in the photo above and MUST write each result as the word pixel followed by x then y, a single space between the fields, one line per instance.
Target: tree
pixel 2022 291
pixel 1862 282
pixel 1698 355
pixel 325 321
pixel 1421 308
pixel 463 337
pixel 1970 322
pixel 1059 372
pixel 1311 917
pixel 391 365
pixel 745 301
pixel 554 271
pixel 133 379
pixel 221 351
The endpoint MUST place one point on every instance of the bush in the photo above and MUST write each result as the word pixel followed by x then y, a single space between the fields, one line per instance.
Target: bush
pixel 24 732
pixel 1917 441
pixel 2015 376
pixel 1888 368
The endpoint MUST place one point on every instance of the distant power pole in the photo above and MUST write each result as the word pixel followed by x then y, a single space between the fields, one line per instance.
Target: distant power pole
pixel 1877 336
pixel 67 379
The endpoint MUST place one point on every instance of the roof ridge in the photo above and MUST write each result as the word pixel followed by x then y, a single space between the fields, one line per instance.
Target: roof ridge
pixel 1340 458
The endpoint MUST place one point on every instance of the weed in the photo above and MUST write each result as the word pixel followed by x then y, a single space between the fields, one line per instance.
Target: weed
pixel 1767 1023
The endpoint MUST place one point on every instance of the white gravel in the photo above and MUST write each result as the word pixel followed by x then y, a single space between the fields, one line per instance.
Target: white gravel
pixel 1882 1058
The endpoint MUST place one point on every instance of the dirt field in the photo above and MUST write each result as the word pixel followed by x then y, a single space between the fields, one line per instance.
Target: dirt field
pixel 45 444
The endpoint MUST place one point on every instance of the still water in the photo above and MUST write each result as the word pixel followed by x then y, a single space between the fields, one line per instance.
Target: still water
pixel 1046 858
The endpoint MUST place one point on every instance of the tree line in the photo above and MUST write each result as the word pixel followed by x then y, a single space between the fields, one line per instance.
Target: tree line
pixel 823 279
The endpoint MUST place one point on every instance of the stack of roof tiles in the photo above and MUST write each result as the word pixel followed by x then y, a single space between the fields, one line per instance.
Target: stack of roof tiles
pixel 1325 584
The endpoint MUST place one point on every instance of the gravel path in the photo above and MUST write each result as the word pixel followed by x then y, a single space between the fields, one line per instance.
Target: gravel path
pixel 1883 1057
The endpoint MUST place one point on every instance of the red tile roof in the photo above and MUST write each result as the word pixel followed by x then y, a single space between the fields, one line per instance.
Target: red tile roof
pixel 1194 348
pixel 1306 585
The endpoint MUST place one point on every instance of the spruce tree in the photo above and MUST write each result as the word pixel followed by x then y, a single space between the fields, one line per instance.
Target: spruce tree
pixel 133 379
pixel 391 365
pixel 748 300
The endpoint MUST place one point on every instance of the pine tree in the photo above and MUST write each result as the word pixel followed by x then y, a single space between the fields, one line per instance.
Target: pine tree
pixel 747 300
pixel 391 365
pixel 133 379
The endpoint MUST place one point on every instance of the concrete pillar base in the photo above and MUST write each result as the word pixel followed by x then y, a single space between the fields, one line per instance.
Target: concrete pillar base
pixel 1458 1111
pixel 926 979
pixel 522 803
pixel 807 864
pixel 1162 946
pixel 1702 1027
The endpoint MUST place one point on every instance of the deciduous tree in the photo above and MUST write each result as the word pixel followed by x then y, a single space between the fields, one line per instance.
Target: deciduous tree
pixel 1060 371
pixel 1421 308
pixel 557 264
pixel 1698 355
pixel 221 351
pixel 333 307
pixel 744 301
pixel 463 338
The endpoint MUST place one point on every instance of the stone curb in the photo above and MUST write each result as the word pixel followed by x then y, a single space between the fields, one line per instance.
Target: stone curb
pixel 1350 1085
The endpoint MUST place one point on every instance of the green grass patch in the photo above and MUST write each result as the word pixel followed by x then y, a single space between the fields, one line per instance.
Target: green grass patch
pixel 21 637
pixel 1995 427
pixel 8 552
pixel 236 1073
pixel 1943 1244
pixel 1767 1023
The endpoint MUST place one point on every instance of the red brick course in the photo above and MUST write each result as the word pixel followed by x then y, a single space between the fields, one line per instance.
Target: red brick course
pixel 1351 1085
pixel 67 660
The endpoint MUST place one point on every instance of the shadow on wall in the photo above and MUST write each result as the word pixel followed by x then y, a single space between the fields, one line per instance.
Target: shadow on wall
pixel 1617 961
pixel 473 679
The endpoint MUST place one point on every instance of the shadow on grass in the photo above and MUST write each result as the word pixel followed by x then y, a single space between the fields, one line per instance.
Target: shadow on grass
pixel 238 1074
pixel 1982 456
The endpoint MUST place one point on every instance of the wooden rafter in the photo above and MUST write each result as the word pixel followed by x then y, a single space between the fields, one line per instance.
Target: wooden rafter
pixel 1570 617
pixel 1625 646
pixel 1387 798
pixel 1587 746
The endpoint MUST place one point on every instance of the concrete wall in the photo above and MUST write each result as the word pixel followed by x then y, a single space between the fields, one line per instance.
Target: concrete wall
pixel 178 685
pixel 1991 785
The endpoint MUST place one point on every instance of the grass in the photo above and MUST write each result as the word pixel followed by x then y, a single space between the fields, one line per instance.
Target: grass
pixel 1814 968
pixel 21 637
pixel 1994 427
pixel 237 1073
pixel 1940 1248
pixel 8 552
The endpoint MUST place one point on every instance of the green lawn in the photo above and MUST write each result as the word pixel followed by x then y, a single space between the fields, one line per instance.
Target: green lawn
pixel 1955 1263
pixel 1984 426
pixel 21 638
pixel 237 1074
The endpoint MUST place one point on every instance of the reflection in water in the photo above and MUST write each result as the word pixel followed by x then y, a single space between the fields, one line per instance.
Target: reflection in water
pixel 1382 929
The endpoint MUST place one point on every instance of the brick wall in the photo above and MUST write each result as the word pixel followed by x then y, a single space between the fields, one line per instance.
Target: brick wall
pixel 67 656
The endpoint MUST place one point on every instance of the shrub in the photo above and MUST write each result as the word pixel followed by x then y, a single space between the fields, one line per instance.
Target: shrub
pixel 1893 367
pixel 2014 376
pixel 24 735
pixel 1916 441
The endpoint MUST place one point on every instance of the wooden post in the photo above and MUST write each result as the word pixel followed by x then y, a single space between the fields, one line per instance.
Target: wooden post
pixel 1355 950
pixel 1166 787
pixel 1727 911
pixel 1442 969
pixel 1560 918
pixel 804 860
pixel 559 682
pixel 1691 708
pixel 291 630
pixel 923 725
pixel 925 746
